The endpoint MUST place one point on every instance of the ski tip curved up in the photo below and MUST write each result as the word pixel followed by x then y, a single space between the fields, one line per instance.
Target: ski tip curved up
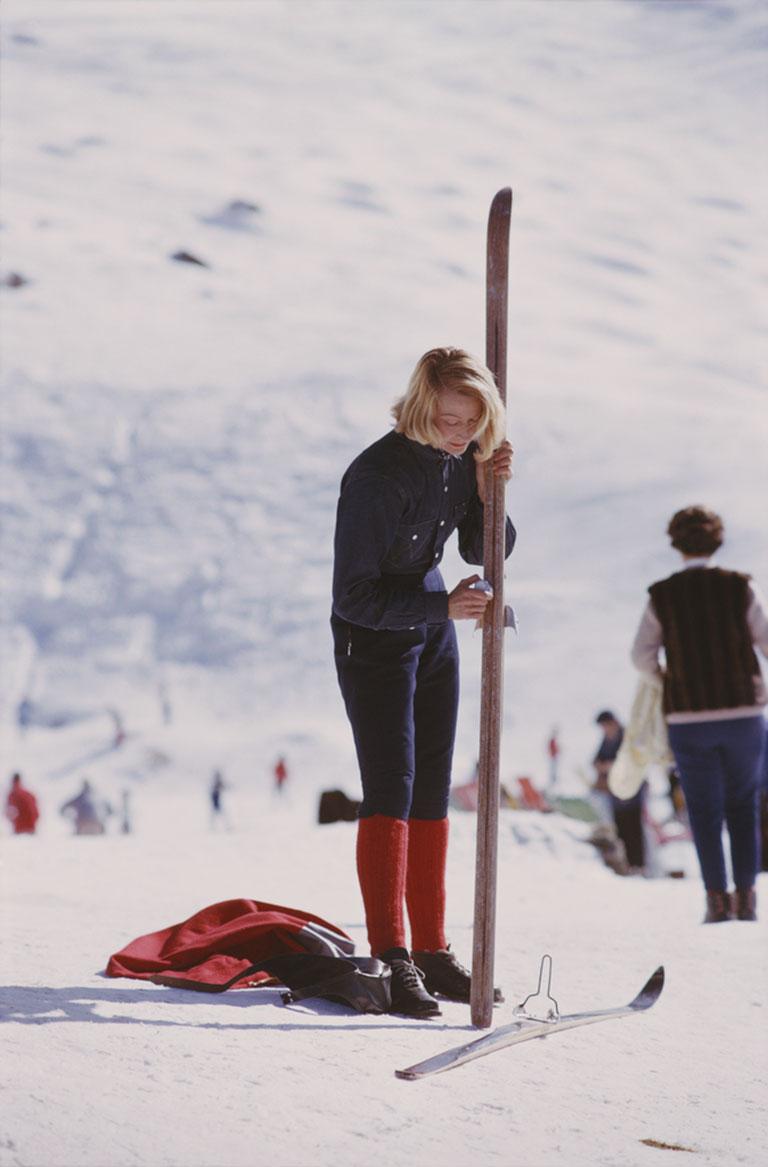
pixel 500 211
pixel 651 990
pixel 524 1029
pixel 502 200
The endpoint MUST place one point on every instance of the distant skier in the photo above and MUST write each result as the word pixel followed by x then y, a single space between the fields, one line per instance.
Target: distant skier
pixel 21 808
pixel 553 753
pixel 119 729
pixel 218 813
pixel 625 813
pixel 24 714
pixel 613 735
pixel 280 775
pixel 166 709
pixel 125 813
pixel 88 814
pixel 708 620
pixel 396 652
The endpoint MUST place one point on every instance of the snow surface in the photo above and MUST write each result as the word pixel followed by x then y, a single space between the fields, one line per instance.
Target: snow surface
pixel 173 437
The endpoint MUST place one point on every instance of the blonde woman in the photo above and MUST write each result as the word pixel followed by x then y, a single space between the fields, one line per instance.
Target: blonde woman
pixel 396 652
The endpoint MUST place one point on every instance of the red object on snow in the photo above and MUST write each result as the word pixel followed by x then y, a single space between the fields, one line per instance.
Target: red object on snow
pixel 21 808
pixel 224 940
pixel 532 798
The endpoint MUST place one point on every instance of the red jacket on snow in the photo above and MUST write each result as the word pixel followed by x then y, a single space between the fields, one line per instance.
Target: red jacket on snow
pixel 224 940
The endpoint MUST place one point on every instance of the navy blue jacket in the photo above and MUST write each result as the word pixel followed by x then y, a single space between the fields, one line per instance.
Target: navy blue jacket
pixel 399 502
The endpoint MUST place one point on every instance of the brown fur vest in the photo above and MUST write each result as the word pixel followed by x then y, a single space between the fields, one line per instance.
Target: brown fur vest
pixel 711 663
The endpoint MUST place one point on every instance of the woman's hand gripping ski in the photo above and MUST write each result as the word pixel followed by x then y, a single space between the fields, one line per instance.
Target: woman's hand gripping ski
pixel 467 601
pixel 502 467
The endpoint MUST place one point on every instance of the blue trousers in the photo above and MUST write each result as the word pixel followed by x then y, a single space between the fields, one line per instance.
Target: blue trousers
pixel 719 763
pixel 401 691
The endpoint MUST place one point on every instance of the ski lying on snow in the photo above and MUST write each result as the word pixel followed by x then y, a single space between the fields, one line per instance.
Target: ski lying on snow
pixel 527 1028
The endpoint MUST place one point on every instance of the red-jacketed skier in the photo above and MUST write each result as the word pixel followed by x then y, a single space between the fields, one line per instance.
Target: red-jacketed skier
pixel 280 773
pixel 21 808
pixel 396 652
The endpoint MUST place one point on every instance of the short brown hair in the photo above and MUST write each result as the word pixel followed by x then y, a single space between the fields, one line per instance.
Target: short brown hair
pixel 696 530
pixel 450 368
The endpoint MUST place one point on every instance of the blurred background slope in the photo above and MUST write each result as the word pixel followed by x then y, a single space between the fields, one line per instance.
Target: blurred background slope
pixel 174 429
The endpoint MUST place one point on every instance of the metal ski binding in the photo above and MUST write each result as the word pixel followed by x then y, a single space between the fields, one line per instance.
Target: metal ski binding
pixel 544 1007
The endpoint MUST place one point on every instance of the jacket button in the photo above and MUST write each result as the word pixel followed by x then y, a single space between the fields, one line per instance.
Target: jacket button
pixel 414 536
pixel 442 522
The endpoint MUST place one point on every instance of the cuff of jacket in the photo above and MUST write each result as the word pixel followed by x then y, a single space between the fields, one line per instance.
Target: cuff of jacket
pixel 436 607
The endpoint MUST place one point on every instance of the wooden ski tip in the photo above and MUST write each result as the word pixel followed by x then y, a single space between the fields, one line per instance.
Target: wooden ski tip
pixel 502 200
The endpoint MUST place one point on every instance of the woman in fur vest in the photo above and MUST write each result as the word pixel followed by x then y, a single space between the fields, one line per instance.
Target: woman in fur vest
pixel 396 653
pixel 708 620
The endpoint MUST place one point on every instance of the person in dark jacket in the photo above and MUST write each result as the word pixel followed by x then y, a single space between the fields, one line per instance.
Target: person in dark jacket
pixel 21 808
pixel 216 794
pixel 627 813
pixel 396 652
pixel 708 620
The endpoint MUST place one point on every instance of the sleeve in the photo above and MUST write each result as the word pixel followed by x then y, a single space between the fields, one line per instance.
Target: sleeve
pixel 647 643
pixel 367 520
pixel 757 619
pixel 471 533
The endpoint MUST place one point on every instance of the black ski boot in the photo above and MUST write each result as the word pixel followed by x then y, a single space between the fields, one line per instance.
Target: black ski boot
pixel 409 996
pixel 443 974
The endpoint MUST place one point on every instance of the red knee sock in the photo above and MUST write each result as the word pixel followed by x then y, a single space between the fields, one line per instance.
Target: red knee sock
pixel 382 848
pixel 425 883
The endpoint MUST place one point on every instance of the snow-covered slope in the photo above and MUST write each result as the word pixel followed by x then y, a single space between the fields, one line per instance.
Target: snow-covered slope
pixel 174 434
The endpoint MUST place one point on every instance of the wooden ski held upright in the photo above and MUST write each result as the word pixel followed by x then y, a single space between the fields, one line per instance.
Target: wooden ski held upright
pixel 492 679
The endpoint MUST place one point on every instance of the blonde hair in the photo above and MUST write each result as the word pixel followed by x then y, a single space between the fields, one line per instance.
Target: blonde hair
pixel 450 368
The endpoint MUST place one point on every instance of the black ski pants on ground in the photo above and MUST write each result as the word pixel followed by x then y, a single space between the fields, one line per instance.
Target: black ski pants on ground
pixel 401 691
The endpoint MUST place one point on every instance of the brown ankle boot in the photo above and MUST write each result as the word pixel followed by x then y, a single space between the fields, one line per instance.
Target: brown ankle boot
pixel 745 903
pixel 718 907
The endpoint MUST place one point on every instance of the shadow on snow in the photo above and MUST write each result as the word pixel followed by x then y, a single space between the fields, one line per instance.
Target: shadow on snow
pixel 43 1006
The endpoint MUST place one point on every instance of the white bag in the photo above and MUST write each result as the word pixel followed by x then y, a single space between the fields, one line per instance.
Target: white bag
pixel 645 740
